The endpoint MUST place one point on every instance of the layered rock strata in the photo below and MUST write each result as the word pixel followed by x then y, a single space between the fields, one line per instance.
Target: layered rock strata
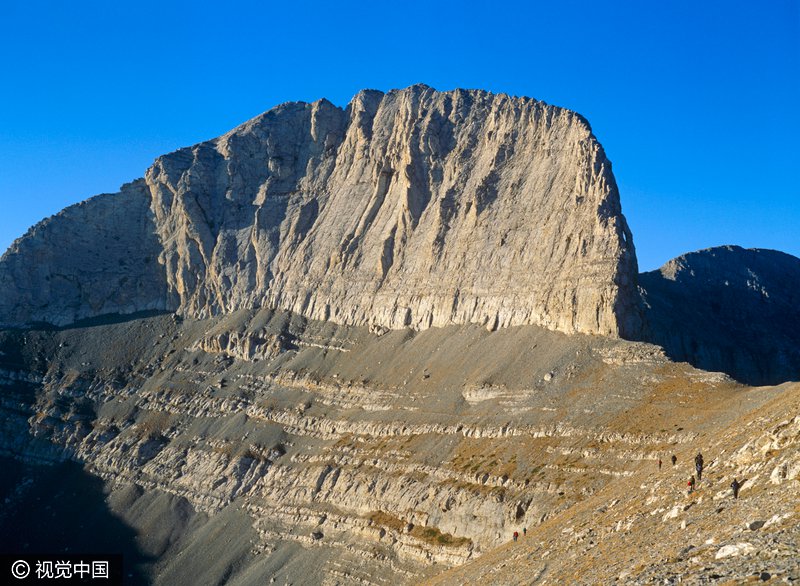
pixel 411 208
pixel 343 457
pixel 392 456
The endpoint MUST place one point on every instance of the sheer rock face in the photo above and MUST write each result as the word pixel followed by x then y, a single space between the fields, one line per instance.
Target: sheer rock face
pixel 412 208
pixel 730 309
pixel 97 257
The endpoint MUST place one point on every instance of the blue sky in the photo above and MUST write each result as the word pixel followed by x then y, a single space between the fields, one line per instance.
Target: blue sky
pixel 696 103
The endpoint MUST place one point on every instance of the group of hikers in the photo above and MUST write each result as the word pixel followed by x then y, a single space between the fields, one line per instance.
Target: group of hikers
pixel 699 464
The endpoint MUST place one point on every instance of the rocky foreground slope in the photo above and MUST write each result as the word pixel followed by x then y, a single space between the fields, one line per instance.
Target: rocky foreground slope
pixel 647 529
pixel 412 208
pixel 264 446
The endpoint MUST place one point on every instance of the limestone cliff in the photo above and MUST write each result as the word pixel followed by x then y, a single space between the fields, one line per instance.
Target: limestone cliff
pixel 412 208
pixel 97 257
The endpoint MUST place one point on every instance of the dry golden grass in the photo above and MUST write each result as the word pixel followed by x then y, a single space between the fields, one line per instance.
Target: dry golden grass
pixel 386 520
pixel 431 535
pixel 154 423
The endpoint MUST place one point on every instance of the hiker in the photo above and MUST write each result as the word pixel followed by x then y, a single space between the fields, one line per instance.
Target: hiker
pixel 735 485
pixel 691 484
pixel 674 459
pixel 698 465
pixel 516 534
pixel 524 531
pixel 659 464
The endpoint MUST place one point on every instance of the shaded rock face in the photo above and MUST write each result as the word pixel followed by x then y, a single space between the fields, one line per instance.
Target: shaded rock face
pixel 94 258
pixel 728 309
pixel 412 208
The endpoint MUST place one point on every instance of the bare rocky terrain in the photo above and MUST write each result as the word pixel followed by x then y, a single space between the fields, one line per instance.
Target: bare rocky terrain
pixel 366 345
pixel 647 529
pixel 306 451
pixel 728 309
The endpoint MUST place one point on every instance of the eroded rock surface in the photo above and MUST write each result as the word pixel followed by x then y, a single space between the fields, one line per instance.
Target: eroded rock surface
pixel 94 258
pixel 344 444
pixel 320 454
pixel 412 208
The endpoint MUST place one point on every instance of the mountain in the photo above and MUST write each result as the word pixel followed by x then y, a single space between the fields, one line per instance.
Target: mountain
pixel 728 309
pixel 412 208
pixel 367 345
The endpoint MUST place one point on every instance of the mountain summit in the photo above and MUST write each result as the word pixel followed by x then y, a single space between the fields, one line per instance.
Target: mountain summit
pixel 410 208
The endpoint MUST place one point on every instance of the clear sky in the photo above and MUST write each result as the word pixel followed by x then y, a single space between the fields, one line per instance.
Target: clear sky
pixel 696 102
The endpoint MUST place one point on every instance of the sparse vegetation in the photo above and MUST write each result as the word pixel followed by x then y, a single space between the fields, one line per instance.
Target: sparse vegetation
pixel 433 536
pixel 153 424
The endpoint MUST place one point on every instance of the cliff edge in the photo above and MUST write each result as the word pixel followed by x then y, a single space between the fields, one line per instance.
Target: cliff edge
pixel 413 208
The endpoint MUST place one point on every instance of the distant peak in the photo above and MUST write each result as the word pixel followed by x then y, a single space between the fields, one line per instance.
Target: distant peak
pixel 419 87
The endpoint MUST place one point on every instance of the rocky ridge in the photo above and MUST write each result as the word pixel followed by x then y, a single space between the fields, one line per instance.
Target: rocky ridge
pixel 730 309
pixel 411 208
pixel 402 412
pixel 94 258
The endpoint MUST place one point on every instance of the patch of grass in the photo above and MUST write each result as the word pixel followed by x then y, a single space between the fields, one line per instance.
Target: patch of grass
pixel 430 535
pixel 433 536
pixel 387 520
pixel 154 423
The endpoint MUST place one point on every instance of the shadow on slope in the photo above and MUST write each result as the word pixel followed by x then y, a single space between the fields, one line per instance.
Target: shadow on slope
pixel 62 509
pixel 100 320
pixel 728 309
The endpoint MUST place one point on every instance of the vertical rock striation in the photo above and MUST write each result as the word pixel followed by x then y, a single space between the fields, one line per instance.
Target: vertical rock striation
pixel 413 208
